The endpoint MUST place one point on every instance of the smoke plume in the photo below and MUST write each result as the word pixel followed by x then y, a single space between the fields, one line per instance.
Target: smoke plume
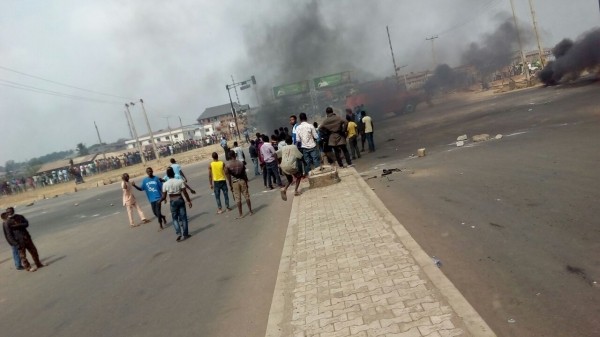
pixel 303 46
pixel 572 58
pixel 497 49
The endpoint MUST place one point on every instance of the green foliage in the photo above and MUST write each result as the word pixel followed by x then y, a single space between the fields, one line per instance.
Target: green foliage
pixel 82 150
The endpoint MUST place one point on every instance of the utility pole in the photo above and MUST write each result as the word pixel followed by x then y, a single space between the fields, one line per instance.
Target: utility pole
pixel 235 88
pixel 169 128
pixel 523 59
pixel 152 140
pixel 237 127
pixel 99 139
pixel 393 58
pixel 137 140
pixel 537 34
pixel 128 125
pixel 405 81
pixel 432 39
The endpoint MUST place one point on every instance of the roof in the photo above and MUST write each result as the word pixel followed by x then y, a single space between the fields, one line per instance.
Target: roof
pixel 65 163
pixel 220 110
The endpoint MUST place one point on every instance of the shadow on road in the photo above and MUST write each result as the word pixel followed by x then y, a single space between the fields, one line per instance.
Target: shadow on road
pixel 51 259
pixel 202 229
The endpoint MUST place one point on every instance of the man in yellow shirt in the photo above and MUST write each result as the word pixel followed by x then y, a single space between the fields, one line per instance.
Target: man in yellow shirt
pixel 352 134
pixel 216 175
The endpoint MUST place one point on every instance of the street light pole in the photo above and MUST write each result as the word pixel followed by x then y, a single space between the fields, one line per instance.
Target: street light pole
pixel 523 59
pixel 152 140
pixel 537 34
pixel 137 140
pixel 432 39
pixel 393 58
pixel 233 112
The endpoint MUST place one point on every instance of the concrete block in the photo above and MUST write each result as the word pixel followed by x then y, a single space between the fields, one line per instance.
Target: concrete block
pixel 463 137
pixel 323 176
pixel 460 143
pixel 422 152
pixel 481 138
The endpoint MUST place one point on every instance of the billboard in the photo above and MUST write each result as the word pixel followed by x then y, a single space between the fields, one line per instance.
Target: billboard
pixel 291 89
pixel 325 82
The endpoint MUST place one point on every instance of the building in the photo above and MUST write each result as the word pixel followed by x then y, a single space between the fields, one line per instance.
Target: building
pixel 167 137
pixel 219 119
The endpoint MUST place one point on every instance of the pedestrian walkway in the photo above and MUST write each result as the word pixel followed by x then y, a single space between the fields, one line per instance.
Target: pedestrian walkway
pixel 349 268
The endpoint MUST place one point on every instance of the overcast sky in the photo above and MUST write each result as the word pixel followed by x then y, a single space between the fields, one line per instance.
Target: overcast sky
pixel 178 55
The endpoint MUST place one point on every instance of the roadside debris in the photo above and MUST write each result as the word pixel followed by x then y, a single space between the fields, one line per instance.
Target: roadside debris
pixel 388 172
pixel 462 138
pixel 391 139
pixel 460 143
pixel 29 204
pixel 511 320
pixel 421 152
pixel 75 204
pixel 373 177
pixel 437 261
pixel 481 138
pixel 498 136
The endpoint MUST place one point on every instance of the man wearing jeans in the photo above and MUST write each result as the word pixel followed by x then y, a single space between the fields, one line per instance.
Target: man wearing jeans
pixel 254 156
pixel 216 175
pixel 15 249
pixel 306 135
pixel 175 188
pixel 153 187
pixel 270 157
pixel 368 129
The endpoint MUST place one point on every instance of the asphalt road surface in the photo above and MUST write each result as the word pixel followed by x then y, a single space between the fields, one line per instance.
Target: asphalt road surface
pixel 514 221
pixel 105 279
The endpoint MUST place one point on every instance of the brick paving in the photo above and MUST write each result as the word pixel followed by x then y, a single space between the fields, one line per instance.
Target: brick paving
pixel 345 271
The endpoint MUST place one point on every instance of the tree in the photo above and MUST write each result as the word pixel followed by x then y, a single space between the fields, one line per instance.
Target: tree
pixel 82 150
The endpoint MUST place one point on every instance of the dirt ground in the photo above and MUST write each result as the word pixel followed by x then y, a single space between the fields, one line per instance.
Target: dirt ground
pixel 107 178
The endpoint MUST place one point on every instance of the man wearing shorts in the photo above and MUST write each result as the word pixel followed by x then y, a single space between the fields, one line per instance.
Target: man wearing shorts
pixel 289 155
pixel 235 170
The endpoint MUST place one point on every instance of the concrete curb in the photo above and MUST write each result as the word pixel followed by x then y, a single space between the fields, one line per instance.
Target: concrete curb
pixel 277 313
pixel 473 321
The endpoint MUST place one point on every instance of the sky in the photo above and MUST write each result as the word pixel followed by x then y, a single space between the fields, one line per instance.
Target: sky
pixel 67 64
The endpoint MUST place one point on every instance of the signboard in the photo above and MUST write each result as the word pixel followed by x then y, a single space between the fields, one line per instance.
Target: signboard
pixel 332 80
pixel 291 89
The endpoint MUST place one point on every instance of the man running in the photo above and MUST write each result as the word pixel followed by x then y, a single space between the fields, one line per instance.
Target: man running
pixel 153 187
pixel 289 155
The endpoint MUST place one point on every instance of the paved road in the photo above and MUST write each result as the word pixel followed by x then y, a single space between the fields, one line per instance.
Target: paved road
pixel 514 221
pixel 105 279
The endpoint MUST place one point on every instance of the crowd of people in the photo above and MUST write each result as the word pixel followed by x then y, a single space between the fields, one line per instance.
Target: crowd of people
pixel 291 153
pixel 101 164
pixel 314 144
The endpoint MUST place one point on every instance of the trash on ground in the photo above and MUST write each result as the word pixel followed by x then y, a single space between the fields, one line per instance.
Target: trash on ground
pixel 422 152
pixel 499 136
pixel 462 138
pixel 437 261
pixel 460 143
pixel 511 320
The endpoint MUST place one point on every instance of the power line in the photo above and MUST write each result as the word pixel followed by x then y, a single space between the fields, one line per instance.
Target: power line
pixel 63 84
pixel 20 86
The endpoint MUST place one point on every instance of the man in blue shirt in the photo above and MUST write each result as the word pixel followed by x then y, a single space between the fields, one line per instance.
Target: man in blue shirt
pixel 179 175
pixel 153 187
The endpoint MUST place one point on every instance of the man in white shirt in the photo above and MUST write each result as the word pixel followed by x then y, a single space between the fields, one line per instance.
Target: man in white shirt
pixel 368 129
pixel 175 188
pixel 306 134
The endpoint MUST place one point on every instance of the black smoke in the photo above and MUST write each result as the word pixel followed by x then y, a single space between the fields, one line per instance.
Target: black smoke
pixel 296 47
pixel 446 79
pixel 572 58
pixel 496 50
